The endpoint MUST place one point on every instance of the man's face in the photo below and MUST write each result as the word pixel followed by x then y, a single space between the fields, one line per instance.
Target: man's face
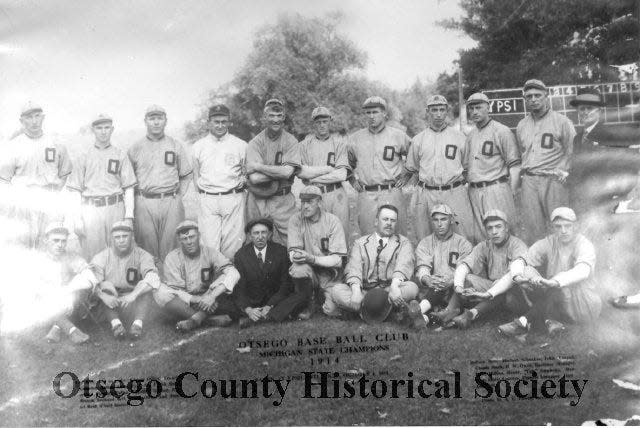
pixel 479 112
pixel 535 99
pixel 497 231
pixel 588 114
pixel 219 125
pixel 56 244
pixel 321 127
pixel 437 115
pixel 259 235
pixel 103 132
pixel 275 120
pixel 564 230
pixel 386 222
pixel 156 122
pixel 122 241
pixel 32 122
pixel 309 207
pixel 190 242
pixel 376 116
pixel 441 224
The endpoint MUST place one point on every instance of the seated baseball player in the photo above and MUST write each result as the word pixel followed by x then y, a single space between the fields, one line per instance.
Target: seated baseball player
pixel 382 259
pixel 127 274
pixel 436 258
pixel 69 282
pixel 566 291
pixel 264 291
pixel 487 265
pixel 316 248
pixel 198 282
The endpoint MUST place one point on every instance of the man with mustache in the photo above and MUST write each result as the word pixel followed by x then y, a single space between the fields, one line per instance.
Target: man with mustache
pixel 163 171
pixel 273 157
pixel 546 139
pixel 493 163
pixel 380 171
pixel 438 155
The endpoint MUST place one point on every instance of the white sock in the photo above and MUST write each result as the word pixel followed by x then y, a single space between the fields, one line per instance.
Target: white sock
pixel 634 299
pixel 474 313
pixel 523 320
pixel 425 306
pixel 426 318
pixel 72 329
pixel 138 323
pixel 115 322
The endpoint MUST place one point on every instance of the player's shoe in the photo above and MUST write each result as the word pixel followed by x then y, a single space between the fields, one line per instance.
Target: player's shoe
pixel 445 316
pixel 418 320
pixel 119 332
pixel 621 303
pixel 218 320
pixel 306 313
pixel 54 334
pixel 513 328
pixel 554 327
pixel 463 321
pixel 78 337
pixel 135 331
pixel 186 325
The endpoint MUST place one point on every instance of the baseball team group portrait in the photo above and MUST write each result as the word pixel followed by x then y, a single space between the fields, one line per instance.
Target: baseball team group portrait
pixel 196 188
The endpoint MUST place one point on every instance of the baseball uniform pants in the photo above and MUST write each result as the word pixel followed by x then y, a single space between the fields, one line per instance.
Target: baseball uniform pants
pixel 221 222
pixel 278 208
pixel 138 310
pixel 155 224
pixel 340 297
pixel 368 203
pixel 540 196
pixel 482 306
pixel 95 235
pixel 457 199
pixel 483 199
pixel 224 303
pixel 337 202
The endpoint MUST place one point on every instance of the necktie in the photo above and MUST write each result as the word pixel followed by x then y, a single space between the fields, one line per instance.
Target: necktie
pixel 260 259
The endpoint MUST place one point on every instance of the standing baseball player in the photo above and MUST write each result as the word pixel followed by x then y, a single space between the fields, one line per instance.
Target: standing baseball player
pixel 103 179
pixel 273 156
pixel 218 174
pixel 317 248
pixel 325 164
pixel 35 165
pixel 163 169
pixel 437 256
pixel 493 164
pixel 127 276
pixel 546 139
pixel 380 170
pixel 438 156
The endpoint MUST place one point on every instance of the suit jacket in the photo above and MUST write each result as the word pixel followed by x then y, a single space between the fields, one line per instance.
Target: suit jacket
pixel 604 136
pixel 262 286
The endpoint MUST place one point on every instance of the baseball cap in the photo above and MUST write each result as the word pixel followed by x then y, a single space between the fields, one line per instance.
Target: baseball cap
pixel 154 109
pixel 565 213
pixel 310 192
pixel 101 118
pixel 477 98
pixel 263 221
pixel 30 107
pixel 436 100
pixel 375 306
pixel 219 110
pixel 588 96
pixel 186 225
pixel 320 112
pixel 442 209
pixel 494 214
pixel 374 101
pixel 56 227
pixel 121 225
pixel 534 84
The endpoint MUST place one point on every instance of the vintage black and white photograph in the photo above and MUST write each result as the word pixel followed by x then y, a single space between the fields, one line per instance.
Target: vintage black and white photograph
pixel 332 213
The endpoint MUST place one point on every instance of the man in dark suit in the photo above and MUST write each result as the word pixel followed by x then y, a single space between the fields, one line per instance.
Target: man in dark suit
pixel 265 291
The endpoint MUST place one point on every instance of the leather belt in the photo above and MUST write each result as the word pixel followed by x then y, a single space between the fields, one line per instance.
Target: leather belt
pixel 538 174
pixel 378 187
pixel 228 192
pixel 156 195
pixel 502 179
pixel 283 191
pixel 328 187
pixel 101 201
pixel 446 187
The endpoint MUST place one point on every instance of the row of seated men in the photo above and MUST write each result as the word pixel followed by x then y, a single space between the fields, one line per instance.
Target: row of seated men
pixel 444 280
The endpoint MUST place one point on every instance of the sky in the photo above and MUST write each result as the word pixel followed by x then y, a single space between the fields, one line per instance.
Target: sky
pixel 81 58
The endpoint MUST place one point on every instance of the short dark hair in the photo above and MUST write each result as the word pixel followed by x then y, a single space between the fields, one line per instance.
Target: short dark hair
pixel 386 207
pixel 263 221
